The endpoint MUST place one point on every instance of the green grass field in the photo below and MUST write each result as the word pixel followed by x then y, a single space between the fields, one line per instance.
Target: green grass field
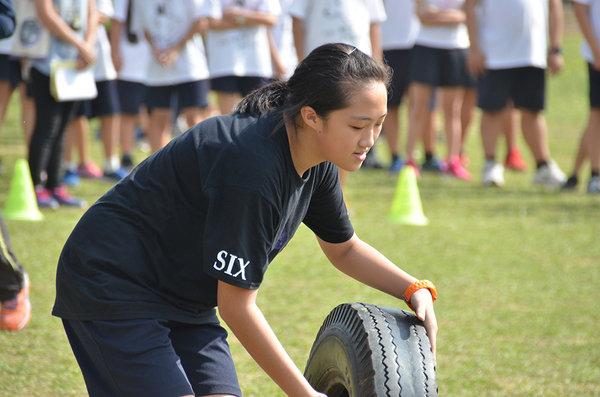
pixel 517 270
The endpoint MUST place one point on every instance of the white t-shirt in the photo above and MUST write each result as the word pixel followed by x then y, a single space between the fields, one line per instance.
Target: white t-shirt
pixel 167 22
pixel 444 36
pixel 513 33
pixel 338 21
pixel 594 10
pixel 134 56
pixel 284 38
pixel 104 68
pixel 400 29
pixel 242 51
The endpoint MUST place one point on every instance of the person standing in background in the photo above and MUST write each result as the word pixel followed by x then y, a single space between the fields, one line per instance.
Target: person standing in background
pixel 239 51
pixel 509 53
pixel 399 32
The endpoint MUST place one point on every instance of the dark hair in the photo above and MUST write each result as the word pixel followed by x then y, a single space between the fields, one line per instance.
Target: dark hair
pixel 325 80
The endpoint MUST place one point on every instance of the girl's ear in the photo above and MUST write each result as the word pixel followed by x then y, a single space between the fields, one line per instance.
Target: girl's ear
pixel 311 118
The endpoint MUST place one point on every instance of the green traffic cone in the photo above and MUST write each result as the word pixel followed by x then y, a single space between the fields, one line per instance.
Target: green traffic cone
pixel 21 203
pixel 406 206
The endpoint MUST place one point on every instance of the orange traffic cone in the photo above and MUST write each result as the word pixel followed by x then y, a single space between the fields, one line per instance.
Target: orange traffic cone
pixel 21 203
pixel 406 206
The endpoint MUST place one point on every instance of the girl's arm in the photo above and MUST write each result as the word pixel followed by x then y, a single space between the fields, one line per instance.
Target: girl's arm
pixel 429 15
pixel 582 12
pixel 236 17
pixel 375 36
pixel 364 263
pixel 114 35
pixel 237 307
pixel 555 31
pixel 168 56
pixel 59 28
pixel 299 34
pixel 476 59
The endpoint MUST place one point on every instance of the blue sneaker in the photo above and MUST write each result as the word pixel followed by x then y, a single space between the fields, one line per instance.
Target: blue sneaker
pixel 434 165
pixel 45 199
pixel 117 175
pixel 60 194
pixel 396 165
pixel 71 178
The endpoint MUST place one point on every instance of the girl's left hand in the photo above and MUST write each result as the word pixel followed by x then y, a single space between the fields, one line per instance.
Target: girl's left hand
pixel 422 302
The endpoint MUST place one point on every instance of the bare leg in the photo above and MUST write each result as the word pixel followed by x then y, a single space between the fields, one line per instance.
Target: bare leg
pixel 159 129
pixel 391 128
pixel 227 100
pixel 535 133
pixel 418 116
pixel 27 112
pixel 452 99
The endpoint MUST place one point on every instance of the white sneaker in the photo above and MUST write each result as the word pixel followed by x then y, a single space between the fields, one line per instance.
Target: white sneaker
pixel 594 185
pixel 493 174
pixel 550 175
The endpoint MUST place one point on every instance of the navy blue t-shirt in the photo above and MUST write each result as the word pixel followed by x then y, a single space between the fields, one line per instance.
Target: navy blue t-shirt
pixel 218 202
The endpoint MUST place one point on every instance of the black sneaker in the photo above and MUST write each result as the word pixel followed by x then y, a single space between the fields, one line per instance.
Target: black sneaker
pixel 570 184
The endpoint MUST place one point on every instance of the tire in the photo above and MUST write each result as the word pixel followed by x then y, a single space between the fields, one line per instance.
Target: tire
pixel 364 350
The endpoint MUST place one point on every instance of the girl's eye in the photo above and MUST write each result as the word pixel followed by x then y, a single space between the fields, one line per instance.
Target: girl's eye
pixel 357 128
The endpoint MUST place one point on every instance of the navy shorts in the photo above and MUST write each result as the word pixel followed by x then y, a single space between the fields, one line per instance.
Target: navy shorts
pixel 10 70
pixel 191 94
pixel 400 62
pixel 242 84
pixel 594 87
pixel 525 86
pixel 131 96
pixel 439 67
pixel 105 104
pixel 146 357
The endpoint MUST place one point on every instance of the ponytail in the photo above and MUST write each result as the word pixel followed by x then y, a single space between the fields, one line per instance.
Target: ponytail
pixel 325 80
pixel 263 99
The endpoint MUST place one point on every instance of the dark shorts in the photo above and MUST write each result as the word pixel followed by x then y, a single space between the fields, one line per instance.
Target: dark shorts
pixel 148 357
pixel 192 94
pixel 131 96
pixel 10 70
pixel 439 67
pixel 594 87
pixel 525 86
pixel 105 104
pixel 400 62
pixel 242 84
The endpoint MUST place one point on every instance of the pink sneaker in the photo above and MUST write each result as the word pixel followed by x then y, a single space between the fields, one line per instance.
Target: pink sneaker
pixel 412 163
pixel 456 169
pixel 90 171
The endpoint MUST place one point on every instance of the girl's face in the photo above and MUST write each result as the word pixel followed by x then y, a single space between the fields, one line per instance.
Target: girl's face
pixel 348 134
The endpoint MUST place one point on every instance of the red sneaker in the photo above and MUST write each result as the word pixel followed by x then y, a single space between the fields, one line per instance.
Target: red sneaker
pixel 514 160
pixel 16 313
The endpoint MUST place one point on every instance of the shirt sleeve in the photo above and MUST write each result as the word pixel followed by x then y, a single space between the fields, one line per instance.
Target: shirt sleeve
pixel 208 8
pixel 239 233
pixel 377 11
pixel 299 9
pixel 120 13
pixel 327 214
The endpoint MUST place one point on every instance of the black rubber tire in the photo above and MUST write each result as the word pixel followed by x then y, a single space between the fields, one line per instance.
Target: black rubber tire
pixel 364 350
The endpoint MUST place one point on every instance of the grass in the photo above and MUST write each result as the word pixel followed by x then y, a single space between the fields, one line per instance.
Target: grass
pixel 517 271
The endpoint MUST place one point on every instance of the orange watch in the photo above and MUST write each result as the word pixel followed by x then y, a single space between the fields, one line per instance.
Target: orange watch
pixel 416 286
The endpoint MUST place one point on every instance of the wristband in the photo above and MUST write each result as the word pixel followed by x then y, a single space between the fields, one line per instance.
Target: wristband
pixel 556 50
pixel 417 285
